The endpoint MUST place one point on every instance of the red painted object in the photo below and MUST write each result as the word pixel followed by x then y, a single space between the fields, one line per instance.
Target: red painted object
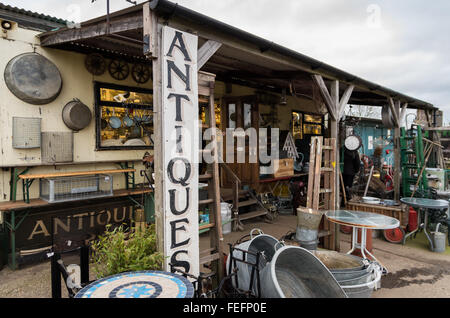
pixel 412 223
pixel 394 235
pixel 357 251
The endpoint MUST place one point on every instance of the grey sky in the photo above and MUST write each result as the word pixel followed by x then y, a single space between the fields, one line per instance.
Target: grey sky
pixel 401 44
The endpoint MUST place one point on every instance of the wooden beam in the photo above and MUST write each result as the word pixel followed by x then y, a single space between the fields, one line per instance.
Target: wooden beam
pixel 344 100
pixel 206 51
pixel 325 95
pixel 148 16
pixel 123 24
pixel 394 112
pixel 402 114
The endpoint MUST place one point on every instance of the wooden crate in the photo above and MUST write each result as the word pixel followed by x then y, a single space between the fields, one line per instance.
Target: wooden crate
pixel 285 168
pixel 392 211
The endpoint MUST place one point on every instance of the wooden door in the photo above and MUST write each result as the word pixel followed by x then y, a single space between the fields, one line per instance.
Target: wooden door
pixel 242 113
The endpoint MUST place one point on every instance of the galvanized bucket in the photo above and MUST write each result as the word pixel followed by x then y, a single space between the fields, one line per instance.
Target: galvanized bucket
pixel 294 272
pixel 258 243
pixel 308 221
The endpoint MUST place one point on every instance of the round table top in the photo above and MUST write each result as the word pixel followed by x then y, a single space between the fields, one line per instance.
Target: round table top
pixel 362 219
pixel 142 284
pixel 426 203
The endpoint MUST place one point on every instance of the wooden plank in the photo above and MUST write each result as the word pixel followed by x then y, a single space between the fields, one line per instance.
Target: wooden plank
pixel 312 164
pixel 148 36
pixel 206 51
pixel 209 258
pixel 394 112
pixel 318 165
pixel 331 106
pixel 344 101
pixel 123 24
pixel 37 203
pixel 71 174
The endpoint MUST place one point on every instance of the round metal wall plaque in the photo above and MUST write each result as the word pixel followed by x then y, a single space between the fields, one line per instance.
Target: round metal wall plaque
pixel 353 143
pixel 76 115
pixel 33 78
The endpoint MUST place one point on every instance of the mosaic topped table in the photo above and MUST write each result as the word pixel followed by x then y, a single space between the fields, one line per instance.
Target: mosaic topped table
pixel 364 221
pixel 427 205
pixel 142 284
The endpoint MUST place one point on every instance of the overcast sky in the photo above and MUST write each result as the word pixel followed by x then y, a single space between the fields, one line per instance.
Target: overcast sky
pixel 401 44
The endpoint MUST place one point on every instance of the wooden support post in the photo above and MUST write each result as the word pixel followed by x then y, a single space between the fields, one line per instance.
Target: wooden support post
pixel 149 36
pixel 158 146
pixel 395 109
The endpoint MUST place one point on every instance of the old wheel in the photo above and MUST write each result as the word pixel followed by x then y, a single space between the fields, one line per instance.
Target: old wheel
pixel 394 235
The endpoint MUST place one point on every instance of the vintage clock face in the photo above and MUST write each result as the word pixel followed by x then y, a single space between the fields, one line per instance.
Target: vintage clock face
pixel 352 143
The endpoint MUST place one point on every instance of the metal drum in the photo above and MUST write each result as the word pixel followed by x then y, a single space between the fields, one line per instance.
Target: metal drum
pixel 76 115
pixel 261 243
pixel 294 272
pixel 33 78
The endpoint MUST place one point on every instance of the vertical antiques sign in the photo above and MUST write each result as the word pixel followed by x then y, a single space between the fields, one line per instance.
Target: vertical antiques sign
pixel 180 150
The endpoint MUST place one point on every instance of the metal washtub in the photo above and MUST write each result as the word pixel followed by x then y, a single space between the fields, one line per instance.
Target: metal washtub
pixel 294 272
pixel 260 243
pixel 357 277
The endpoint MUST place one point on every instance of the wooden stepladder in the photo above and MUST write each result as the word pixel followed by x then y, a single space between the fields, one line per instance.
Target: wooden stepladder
pixel 322 185
pixel 214 255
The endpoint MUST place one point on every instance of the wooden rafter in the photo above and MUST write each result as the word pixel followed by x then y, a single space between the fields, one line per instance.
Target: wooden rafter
pixel 118 25
pixel 206 52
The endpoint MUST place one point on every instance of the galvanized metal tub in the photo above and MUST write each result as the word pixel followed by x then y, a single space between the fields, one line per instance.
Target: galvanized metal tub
pixel 76 115
pixel 363 286
pixel 294 272
pixel 343 266
pixel 259 243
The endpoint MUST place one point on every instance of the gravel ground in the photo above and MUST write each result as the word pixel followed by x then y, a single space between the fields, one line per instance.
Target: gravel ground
pixel 413 272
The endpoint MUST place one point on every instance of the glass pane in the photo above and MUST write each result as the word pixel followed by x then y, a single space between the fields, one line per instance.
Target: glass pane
pixel 362 219
pixel 122 96
pixel 310 129
pixel 123 126
pixel 297 131
pixel 313 119
pixel 232 115
pixel 247 116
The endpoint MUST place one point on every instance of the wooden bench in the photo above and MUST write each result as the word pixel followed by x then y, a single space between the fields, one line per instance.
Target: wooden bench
pixel 27 179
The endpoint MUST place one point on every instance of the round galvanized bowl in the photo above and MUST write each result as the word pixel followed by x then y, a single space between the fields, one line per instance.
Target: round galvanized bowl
pixel 76 115
pixel 294 272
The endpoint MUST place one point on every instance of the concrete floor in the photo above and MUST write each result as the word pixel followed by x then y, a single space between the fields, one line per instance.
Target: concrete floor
pixel 413 272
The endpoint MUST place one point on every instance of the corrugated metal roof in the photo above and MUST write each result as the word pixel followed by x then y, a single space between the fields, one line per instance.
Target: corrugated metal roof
pixel 34 19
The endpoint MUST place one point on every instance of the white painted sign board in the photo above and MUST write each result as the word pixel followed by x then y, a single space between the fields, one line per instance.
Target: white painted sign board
pixel 180 150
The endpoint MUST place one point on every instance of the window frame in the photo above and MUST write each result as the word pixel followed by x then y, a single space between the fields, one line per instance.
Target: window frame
pixel 98 103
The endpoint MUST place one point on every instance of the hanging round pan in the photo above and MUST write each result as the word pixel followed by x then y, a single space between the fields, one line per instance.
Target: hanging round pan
pixel 76 115
pixel 115 121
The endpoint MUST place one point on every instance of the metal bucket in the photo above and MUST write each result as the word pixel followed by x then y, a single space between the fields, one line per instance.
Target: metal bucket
pixel 308 221
pixel 294 272
pixel 439 240
pixel 259 243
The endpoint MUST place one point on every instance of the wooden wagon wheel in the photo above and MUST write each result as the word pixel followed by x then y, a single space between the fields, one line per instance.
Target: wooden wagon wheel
pixel 95 64
pixel 119 70
pixel 140 73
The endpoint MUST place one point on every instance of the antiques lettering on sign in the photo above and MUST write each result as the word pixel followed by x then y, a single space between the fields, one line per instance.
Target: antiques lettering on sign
pixel 180 149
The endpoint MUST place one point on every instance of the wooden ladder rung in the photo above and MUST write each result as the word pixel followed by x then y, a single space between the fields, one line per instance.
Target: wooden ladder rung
pixel 326 190
pixel 327 148
pixel 207 201
pixel 209 258
pixel 326 170
pixel 205 176
pixel 206 226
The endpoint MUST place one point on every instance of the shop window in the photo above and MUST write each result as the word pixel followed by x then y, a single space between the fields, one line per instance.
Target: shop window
pixel 124 117
pixel 306 124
